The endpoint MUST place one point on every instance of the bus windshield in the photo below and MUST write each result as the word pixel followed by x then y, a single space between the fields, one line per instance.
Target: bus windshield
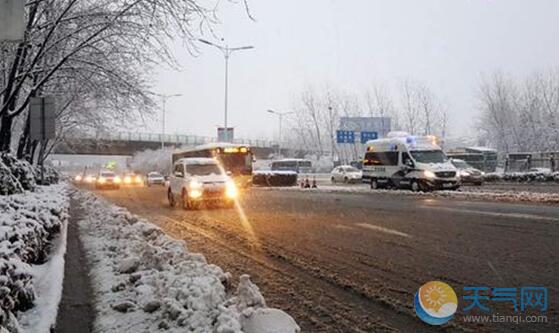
pixel 237 163
pixel 429 156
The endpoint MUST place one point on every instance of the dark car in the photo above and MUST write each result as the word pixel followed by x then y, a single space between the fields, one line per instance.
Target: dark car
pixel 467 173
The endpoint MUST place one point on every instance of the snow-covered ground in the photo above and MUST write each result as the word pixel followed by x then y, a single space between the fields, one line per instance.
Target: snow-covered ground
pixel 32 247
pixel 145 281
pixel 463 193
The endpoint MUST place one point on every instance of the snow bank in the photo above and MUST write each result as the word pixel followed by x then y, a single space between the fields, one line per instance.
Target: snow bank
pixel 461 194
pixel 30 276
pixel 145 281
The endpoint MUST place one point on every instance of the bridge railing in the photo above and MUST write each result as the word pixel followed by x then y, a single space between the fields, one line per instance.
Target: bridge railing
pixel 168 138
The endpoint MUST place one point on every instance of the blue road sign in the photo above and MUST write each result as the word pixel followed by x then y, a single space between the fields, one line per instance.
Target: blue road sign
pixel 345 136
pixel 366 136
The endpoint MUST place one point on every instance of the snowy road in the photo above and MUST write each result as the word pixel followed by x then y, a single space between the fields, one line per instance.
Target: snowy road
pixel 351 262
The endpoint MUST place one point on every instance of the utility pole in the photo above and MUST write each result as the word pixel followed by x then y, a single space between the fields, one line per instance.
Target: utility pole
pixel 280 117
pixel 226 53
pixel 164 100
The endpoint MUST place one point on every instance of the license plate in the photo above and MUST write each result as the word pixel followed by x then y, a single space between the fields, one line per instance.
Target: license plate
pixel 446 185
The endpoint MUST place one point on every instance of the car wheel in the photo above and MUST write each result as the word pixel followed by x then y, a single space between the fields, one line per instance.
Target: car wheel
pixel 374 184
pixel 346 180
pixel 415 186
pixel 171 198
pixel 332 179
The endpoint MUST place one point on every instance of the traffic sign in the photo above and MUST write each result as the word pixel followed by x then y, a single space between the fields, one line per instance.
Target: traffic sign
pixel 12 20
pixel 345 136
pixel 366 136
pixel 42 118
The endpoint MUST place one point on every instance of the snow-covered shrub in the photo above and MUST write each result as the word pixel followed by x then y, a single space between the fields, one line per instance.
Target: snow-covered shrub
pixel 28 222
pixel 8 183
pixel 50 177
pixel 22 170
pixel 522 177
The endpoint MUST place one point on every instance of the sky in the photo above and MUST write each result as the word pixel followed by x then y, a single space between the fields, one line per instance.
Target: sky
pixel 447 44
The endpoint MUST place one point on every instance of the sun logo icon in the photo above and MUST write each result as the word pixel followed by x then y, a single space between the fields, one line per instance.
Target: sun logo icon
pixel 435 303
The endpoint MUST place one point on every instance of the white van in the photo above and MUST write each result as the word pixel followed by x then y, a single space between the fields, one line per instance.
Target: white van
pixel 406 161
pixel 196 180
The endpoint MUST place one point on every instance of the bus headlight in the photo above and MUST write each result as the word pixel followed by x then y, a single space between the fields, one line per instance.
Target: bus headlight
pixel 231 190
pixel 429 174
pixel 127 180
pixel 195 194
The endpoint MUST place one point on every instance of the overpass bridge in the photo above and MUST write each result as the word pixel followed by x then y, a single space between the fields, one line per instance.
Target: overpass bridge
pixel 129 143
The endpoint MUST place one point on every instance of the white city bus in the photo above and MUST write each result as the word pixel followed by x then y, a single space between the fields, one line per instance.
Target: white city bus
pixel 236 159
pixel 405 161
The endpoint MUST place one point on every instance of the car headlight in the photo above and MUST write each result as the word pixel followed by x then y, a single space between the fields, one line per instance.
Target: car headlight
pixel 195 194
pixel 118 180
pixel 231 190
pixel 195 184
pixel 482 173
pixel 78 178
pixel 464 173
pixel 127 179
pixel 429 174
pixel 138 179
pixel 102 180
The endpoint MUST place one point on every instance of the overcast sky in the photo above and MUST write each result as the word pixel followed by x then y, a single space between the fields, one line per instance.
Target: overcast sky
pixel 447 44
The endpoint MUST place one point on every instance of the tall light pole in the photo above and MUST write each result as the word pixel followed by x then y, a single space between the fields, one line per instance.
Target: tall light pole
pixel 164 99
pixel 226 53
pixel 280 117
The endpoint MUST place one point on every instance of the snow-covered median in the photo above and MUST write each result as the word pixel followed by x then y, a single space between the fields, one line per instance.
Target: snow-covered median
pixel 32 258
pixel 463 193
pixel 145 281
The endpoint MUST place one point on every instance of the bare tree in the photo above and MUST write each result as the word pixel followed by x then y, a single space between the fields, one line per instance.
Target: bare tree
pixel 95 53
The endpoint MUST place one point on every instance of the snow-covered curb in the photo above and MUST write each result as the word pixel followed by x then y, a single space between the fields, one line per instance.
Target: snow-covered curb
pixel 144 281
pixel 32 258
pixel 507 196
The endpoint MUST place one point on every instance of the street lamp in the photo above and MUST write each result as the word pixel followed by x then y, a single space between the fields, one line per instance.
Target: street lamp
pixel 164 98
pixel 226 53
pixel 280 117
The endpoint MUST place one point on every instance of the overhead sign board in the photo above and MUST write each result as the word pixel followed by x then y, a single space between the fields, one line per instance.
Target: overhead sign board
pixel 12 20
pixel 345 136
pixel 366 136
pixel 42 118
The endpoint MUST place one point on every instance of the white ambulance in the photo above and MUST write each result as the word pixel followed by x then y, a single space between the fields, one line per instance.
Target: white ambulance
pixel 405 161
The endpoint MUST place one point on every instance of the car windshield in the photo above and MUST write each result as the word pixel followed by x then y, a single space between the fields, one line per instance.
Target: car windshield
pixel 429 156
pixel 351 169
pixel 154 174
pixel 203 169
pixel 460 164
pixel 107 174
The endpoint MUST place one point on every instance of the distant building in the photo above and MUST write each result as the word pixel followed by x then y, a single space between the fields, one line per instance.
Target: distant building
pixel 381 125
